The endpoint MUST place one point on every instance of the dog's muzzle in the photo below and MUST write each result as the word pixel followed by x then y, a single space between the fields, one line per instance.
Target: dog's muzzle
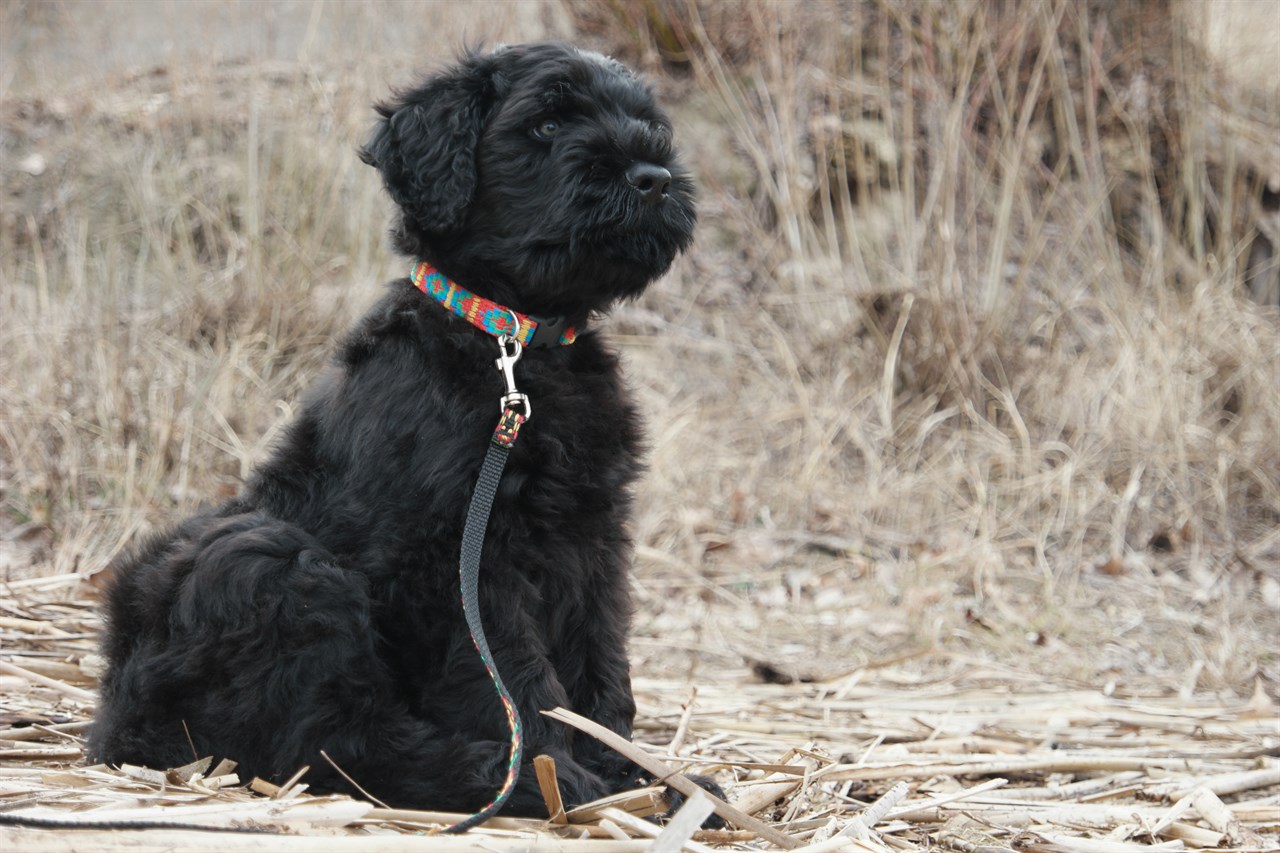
pixel 651 181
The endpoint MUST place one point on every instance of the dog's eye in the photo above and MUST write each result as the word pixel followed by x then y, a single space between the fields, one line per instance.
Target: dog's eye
pixel 546 128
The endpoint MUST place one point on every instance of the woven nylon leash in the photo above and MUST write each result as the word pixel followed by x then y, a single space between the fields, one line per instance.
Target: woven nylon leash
pixel 495 459
pixel 514 331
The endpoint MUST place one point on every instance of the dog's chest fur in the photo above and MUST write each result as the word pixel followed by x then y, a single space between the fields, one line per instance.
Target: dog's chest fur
pixel 386 453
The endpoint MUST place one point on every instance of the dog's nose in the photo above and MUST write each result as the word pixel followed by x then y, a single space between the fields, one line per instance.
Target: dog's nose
pixel 652 182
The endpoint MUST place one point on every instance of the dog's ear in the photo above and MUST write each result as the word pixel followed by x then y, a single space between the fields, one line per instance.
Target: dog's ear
pixel 425 143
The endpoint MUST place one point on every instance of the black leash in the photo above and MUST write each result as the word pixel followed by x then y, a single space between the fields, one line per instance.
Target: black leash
pixel 495 459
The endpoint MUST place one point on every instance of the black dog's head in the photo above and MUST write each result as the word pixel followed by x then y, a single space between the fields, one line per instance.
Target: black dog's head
pixel 543 173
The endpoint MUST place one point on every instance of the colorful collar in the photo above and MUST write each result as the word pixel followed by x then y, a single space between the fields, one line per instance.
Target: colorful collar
pixel 489 316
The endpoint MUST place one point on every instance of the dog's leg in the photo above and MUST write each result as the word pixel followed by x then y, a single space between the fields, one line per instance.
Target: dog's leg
pixel 603 693
pixel 593 663
pixel 461 699
pixel 238 637
pixel 241 637
pixel 528 667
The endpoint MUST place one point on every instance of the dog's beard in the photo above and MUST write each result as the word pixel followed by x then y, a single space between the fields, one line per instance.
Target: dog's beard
pixel 631 233
pixel 582 249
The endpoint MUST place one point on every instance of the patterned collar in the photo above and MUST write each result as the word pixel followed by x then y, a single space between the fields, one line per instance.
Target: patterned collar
pixel 489 316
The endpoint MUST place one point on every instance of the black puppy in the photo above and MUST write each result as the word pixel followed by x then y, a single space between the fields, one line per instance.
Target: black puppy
pixel 319 610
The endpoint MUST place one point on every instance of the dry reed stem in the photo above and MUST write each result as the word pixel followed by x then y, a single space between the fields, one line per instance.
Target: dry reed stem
pixel 668 776
pixel 64 689
pixel 678 833
pixel 162 841
pixel 760 794
pixel 545 767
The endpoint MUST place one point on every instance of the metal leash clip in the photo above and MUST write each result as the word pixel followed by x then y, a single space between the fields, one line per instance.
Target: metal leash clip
pixel 511 349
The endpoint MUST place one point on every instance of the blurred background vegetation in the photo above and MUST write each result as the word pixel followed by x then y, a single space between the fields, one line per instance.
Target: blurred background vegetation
pixel 978 351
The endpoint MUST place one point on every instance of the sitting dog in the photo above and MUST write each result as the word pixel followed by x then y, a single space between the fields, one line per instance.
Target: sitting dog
pixel 319 609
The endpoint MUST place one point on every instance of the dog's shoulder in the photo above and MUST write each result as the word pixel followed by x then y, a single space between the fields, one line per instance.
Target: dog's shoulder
pixel 397 314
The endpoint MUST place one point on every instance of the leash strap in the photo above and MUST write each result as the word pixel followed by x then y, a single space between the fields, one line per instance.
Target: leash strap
pixel 495 459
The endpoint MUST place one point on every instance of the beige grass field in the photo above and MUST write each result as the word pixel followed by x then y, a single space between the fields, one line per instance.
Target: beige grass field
pixel 971 381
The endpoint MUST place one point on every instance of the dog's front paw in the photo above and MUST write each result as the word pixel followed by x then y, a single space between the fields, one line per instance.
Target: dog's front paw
pixel 675 800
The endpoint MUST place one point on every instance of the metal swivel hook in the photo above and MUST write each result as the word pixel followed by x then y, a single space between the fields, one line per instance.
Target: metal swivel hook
pixel 510 349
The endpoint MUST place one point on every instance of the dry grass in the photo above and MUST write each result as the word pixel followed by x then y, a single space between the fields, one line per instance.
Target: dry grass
pixel 963 372
pixel 963 753
pixel 925 338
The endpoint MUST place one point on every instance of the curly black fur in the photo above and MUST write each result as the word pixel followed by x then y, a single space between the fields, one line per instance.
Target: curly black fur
pixel 318 610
